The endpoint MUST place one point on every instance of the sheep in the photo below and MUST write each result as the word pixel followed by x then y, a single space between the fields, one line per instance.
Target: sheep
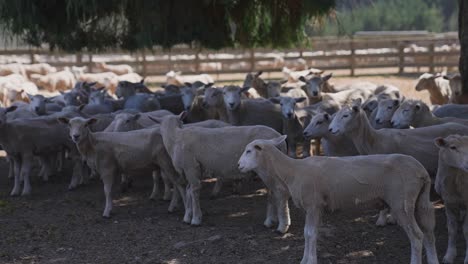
pixel 102 79
pixel 416 113
pixel 120 69
pixel 39 68
pixel 437 86
pixel 98 103
pixel 352 121
pixel 250 111
pixel 193 105
pixel 175 78
pixel 317 184
pixel 333 145
pixel 218 154
pixel 320 84
pixel 13 68
pixel 455 87
pixel 451 110
pixel 253 80
pixel 42 105
pixel 294 76
pixel 450 184
pixel 61 81
pixel 292 125
pixel 213 100
pixel 385 110
pixel 111 153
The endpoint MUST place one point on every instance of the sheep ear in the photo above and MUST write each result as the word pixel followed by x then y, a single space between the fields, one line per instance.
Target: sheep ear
pixel 257 147
pixel 275 100
pixel 91 121
pixel 326 116
pixel 208 85
pixel 258 73
pixel 142 81
pixel 63 120
pixel 303 79
pixel 183 115
pixel 440 142
pixel 327 77
pixel 137 116
pixel 396 102
pixel 277 141
pixel 80 108
pixel 300 99
pixel 446 77
pixel 11 108
pixel 244 89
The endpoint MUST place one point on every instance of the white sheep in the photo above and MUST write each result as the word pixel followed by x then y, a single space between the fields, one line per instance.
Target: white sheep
pixel 319 184
pixel 57 81
pixel 437 86
pixel 39 68
pixel 451 183
pixel 176 78
pixel 294 76
pixel 119 69
pixel 194 149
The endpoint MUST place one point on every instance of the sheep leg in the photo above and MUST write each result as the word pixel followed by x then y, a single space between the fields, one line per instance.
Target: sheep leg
pixel 217 188
pixel 195 187
pixel 407 221
pixel 177 194
pixel 465 233
pixel 310 236
pixel 188 205
pixel 452 226
pixel 382 220
pixel 108 180
pixel 317 147
pixel 272 213
pixel 48 162
pixel 17 184
pixel 283 211
pixel 11 168
pixel 25 173
pixel 167 187
pixel 155 192
pixel 60 160
pixel 292 149
pixel 306 148
pixel 425 217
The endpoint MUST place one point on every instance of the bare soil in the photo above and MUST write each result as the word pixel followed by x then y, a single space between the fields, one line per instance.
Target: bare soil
pixel 54 225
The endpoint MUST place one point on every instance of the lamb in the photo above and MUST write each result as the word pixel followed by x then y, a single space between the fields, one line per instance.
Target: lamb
pixel 293 126
pixel 218 154
pixel 253 80
pixel 417 143
pixel 455 87
pixel 333 145
pixel 110 153
pixel 416 113
pixel 319 84
pixel 317 184
pixel 120 69
pixel 437 86
pixel 103 79
pixel 193 105
pixel 451 110
pixel 250 111
pixel 61 81
pixel 213 100
pixel 175 78
pixel 13 68
pixel 451 183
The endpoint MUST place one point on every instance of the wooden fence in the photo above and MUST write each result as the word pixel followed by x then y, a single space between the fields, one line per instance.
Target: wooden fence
pixel 327 53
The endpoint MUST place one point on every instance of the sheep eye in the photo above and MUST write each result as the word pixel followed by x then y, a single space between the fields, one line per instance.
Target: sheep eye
pixel 248 151
pixel 390 108
pixel 319 122
pixel 345 116
pixel 453 147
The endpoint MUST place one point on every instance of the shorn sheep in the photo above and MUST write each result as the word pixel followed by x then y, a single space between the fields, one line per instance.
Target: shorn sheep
pixel 319 184
pixel 451 183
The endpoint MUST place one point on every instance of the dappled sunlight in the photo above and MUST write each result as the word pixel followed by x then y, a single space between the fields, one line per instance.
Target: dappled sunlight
pixel 360 254
pixel 238 214
pixel 126 201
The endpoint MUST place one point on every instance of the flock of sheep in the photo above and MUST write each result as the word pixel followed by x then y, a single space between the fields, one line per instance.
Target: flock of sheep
pixel 378 146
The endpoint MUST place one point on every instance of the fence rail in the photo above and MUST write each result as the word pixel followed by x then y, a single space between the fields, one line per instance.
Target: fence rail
pixel 328 53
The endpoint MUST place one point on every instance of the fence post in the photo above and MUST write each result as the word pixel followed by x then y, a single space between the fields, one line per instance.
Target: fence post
pixel 79 58
pixel 431 58
pixel 252 60
pixel 31 56
pixel 90 62
pixel 352 59
pixel 197 61
pixel 401 58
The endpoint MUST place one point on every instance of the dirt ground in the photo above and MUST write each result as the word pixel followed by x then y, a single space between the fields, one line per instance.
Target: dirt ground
pixel 54 225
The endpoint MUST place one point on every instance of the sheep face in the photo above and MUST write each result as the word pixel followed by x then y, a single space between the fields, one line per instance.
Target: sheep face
pixel 125 122
pixel 72 99
pixel 232 97
pixel 78 127
pixel 188 97
pixel 38 104
pixel 318 126
pixel 288 105
pixel 273 89
pixel 97 97
pixel 3 113
pixel 212 98
pixel 453 150
pixel 455 85
pixel 385 110
pixel 370 105
pixel 125 89
pixel 345 120
pixel 313 86
pixel 425 81
pixel 252 154
pixel 405 114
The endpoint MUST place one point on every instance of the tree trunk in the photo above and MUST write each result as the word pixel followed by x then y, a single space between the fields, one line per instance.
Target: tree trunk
pixel 463 37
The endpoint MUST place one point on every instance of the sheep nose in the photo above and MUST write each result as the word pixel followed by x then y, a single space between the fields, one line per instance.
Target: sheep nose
pixel 36 109
pixel 315 93
pixel 392 123
pixel 231 104
pixel 290 115
pixel 76 137
pixel 305 134
pixel 377 120
pixel 330 129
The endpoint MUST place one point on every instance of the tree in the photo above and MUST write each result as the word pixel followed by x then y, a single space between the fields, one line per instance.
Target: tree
pixel 463 37
pixel 132 24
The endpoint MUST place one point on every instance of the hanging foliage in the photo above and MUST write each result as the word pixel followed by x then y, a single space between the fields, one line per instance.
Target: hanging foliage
pixel 132 24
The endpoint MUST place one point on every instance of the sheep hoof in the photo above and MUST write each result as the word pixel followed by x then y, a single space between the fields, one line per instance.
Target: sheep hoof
pixel 14 193
pixel 448 258
pixel 381 222
pixel 106 216
pixel 282 230
pixel 26 193
pixel 269 223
